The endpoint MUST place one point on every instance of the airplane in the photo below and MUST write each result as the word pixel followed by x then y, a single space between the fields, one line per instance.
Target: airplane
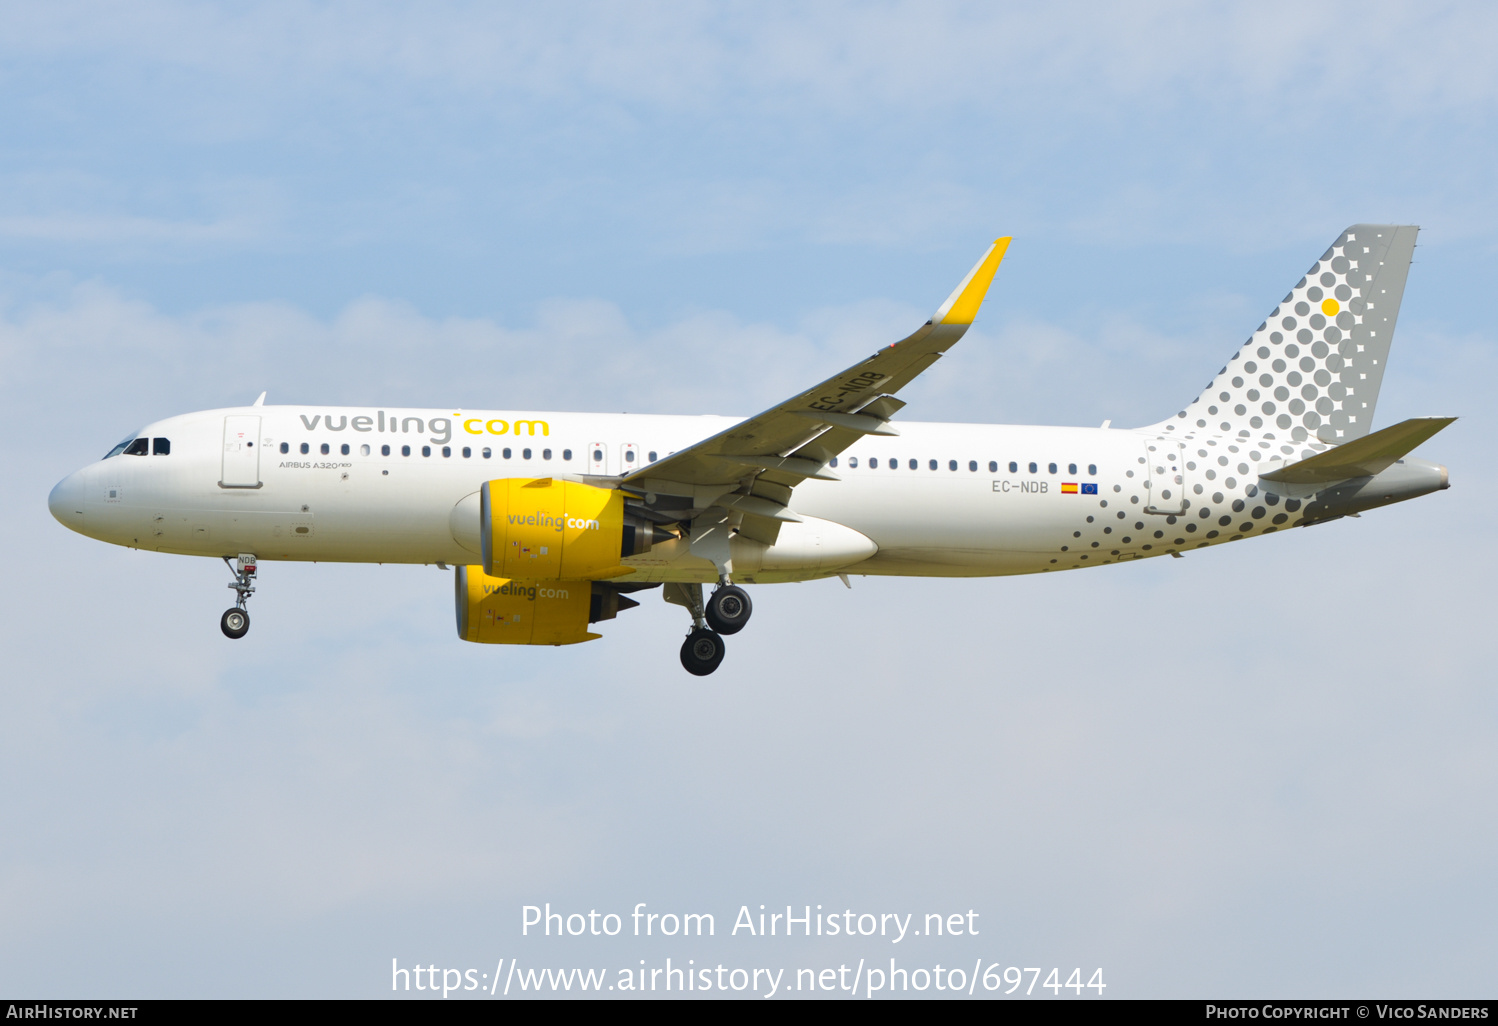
pixel 552 521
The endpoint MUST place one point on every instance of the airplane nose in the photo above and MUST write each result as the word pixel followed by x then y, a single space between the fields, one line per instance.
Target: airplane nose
pixel 66 502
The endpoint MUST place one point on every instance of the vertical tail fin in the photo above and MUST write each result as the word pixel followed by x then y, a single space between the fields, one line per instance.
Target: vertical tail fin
pixel 1312 370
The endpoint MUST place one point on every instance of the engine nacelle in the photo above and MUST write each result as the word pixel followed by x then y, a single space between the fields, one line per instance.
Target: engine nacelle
pixel 499 611
pixel 545 529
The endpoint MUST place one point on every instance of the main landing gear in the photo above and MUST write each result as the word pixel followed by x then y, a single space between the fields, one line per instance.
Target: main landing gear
pixel 701 652
pixel 726 611
pixel 235 623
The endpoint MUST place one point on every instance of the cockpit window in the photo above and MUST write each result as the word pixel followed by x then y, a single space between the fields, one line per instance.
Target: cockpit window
pixel 161 446
pixel 119 448
pixel 138 447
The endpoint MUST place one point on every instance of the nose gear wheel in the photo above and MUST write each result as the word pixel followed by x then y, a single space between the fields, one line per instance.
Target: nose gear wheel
pixel 235 623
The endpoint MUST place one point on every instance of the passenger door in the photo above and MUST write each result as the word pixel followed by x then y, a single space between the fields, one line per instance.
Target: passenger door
pixel 241 453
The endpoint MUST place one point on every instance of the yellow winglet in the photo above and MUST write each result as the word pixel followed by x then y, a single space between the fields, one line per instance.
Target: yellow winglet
pixel 962 305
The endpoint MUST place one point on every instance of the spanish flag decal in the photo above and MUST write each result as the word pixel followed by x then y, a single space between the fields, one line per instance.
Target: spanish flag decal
pixel 1069 488
pixel 1072 488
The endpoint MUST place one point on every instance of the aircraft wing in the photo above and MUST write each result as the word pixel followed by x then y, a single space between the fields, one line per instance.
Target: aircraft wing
pixel 751 467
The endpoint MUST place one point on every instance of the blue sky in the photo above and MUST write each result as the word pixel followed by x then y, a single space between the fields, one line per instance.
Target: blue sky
pixel 1262 769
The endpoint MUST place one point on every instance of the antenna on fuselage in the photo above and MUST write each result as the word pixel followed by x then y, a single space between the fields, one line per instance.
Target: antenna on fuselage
pixel 260 401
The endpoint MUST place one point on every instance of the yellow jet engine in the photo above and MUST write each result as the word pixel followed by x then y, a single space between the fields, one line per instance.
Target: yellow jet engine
pixel 498 611
pixel 543 529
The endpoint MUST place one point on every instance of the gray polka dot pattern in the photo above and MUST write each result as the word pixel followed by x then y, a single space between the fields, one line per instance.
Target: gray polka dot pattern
pixel 1312 370
pixel 1307 378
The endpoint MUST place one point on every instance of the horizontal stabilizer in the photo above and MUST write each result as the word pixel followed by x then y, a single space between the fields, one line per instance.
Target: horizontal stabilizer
pixel 1362 457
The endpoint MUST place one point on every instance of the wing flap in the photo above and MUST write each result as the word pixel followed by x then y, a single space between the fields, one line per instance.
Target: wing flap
pixel 857 422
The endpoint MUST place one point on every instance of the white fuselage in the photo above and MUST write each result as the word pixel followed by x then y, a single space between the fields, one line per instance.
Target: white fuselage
pixel 938 500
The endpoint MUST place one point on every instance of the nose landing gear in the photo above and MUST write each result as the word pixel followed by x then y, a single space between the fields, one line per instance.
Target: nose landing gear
pixel 235 623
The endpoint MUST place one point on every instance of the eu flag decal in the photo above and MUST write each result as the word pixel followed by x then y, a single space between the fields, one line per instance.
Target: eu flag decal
pixel 1089 489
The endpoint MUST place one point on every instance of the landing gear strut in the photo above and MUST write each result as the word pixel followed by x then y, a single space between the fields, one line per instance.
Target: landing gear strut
pixel 235 623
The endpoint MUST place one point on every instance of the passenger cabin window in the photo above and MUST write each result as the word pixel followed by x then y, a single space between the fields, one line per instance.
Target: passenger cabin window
pixel 853 462
pixel 285 447
pixel 325 448
pixel 915 464
pixel 384 450
pixel 1071 468
pixel 306 448
pixel 831 463
pixel 951 464
pixel 487 452
pixel 426 450
pixel 161 446
pixel 567 454
pixel 505 453
pixel 1052 467
pixel 405 450
pixel 138 447
pixel 546 454
pixel 526 453
pixel 447 450
pixel 1013 467
pixel 933 464
pixel 1092 469
pixel 1033 468
pixel 650 456
pixel 972 465
pixel 629 455
pixel 364 450
pixel 597 455
pixel 343 448
pixel 467 452
pixel 993 466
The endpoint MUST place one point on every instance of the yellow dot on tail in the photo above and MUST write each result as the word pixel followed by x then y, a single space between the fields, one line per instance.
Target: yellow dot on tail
pixel 1330 307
